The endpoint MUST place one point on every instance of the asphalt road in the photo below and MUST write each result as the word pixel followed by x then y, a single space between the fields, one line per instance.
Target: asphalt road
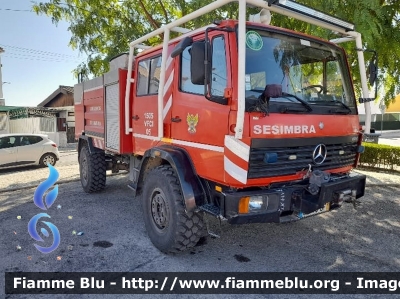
pixel 348 239
pixel 31 176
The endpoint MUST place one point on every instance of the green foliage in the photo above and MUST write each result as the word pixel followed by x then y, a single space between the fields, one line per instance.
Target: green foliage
pixel 378 23
pixel 104 28
pixel 380 155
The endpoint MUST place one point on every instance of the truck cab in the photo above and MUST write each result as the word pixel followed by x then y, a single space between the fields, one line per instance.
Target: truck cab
pixel 241 121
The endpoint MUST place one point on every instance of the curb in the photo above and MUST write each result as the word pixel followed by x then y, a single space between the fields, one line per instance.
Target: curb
pixel 66 150
pixel 58 183
pixel 395 185
pixel 382 185
pixel 115 174
pixel 35 186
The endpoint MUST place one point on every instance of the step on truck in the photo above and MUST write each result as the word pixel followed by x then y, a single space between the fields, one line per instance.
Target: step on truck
pixel 238 121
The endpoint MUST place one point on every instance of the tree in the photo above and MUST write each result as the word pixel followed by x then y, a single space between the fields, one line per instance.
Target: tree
pixel 104 28
pixel 378 23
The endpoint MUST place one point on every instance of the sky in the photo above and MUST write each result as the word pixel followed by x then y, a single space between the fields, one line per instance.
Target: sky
pixel 37 58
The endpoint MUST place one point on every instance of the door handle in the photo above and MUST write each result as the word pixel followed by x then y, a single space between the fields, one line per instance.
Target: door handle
pixel 136 117
pixel 176 119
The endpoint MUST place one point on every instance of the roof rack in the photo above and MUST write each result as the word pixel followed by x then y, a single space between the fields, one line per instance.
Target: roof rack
pixel 284 7
pixel 303 10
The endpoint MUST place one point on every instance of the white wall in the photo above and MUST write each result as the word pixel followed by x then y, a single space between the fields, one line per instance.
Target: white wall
pixel 60 138
pixel 33 125
pixel 4 123
pixel 39 125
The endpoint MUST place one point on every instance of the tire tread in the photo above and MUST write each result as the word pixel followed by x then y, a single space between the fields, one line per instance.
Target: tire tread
pixel 97 171
pixel 189 224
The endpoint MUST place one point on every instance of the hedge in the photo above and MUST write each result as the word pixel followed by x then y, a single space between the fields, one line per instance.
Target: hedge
pixel 380 156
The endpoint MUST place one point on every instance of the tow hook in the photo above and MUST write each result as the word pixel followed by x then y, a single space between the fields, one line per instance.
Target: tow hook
pixel 348 195
pixel 317 178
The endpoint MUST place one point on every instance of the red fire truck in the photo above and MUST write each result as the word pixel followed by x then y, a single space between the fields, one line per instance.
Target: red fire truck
pixel 239 121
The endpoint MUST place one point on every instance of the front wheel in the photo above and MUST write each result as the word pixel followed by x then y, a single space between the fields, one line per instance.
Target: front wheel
pixel 48 158
pixel 169 227
pixel 92 170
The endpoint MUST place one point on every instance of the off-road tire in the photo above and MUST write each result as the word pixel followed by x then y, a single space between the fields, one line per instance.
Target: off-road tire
pixel 92 170
pixel 168 226
pixel 48 158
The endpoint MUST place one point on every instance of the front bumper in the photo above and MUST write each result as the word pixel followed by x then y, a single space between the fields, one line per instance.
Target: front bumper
pixel 290 203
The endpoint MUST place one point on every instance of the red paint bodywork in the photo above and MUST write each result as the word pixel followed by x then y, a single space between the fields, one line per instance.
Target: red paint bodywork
pixel 214 120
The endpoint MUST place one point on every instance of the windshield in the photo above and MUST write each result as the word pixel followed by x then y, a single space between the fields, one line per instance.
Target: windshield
pixel 315 73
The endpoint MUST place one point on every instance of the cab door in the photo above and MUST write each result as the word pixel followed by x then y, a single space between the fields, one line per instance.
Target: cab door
pixel 144 115
pixel 199 124
pixel 196 119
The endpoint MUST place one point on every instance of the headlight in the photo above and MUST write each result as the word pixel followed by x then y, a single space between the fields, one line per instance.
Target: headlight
pixel 256 203
pixel 259 203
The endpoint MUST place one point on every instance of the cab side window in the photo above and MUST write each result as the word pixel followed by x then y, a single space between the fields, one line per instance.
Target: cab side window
pixel 218 70
pixel 24 141
pixel 7 142
pixel 29 140
pixel 148 76
pixel 34 139
pixel 185 81
pixel 155 71
pixel 143 77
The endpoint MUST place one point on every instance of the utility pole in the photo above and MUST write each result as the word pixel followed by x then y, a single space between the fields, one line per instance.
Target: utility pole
pixel 1 79
pixel 382 107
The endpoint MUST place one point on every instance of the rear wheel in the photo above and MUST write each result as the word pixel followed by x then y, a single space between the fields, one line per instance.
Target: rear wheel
pixel 48 158
pixel 92 170
pixel 169 227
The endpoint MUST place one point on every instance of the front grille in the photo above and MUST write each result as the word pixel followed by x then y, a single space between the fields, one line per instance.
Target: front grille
pixel 259 169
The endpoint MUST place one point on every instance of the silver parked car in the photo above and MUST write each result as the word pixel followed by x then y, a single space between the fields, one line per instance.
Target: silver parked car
pixel 27 149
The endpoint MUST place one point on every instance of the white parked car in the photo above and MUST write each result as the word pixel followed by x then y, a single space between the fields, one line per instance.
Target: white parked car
pixel 27 149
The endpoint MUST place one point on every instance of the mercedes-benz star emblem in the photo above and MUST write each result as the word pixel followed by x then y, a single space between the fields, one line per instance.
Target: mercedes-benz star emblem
pixel 319 154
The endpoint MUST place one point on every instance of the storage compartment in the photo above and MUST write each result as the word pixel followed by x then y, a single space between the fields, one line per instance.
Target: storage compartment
pixel 116 140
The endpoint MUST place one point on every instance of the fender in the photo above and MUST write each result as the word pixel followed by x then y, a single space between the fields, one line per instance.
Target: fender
pixel 83 139
pixel 178 158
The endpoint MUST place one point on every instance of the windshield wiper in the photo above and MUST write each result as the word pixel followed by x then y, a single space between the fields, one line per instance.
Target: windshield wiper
pixel 286 109
pixel 284 94
pixel 346 111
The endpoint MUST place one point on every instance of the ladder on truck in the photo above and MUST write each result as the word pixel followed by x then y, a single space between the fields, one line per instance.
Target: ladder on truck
pixel 285 7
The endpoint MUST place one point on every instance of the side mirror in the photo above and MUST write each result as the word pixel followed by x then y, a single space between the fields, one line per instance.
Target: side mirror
pixel 273 91
pixel 198 64
pixel 372 71
pixel 372 76
pixel 181 46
